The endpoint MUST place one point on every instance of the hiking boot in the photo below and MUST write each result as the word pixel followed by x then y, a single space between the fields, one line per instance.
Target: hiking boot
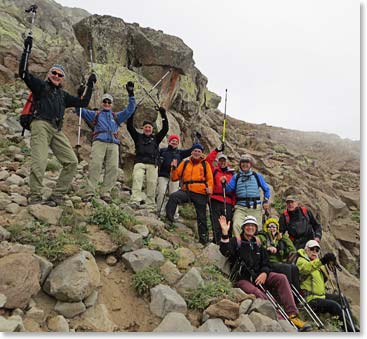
pixel 55 200
pixel 204 239
pixel 87 197
pixel 301 325
pixel 134 205
pixel 34 200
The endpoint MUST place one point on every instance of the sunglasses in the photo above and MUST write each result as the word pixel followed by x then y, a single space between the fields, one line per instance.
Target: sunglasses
pixel 272 226
pixel 60 75
pixel 316 249
pixel 107 101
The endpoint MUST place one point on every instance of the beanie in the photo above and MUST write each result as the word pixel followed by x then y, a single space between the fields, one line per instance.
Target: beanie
pixel 199 146
pixel 147 122
pixel 57 67
pixel 173 136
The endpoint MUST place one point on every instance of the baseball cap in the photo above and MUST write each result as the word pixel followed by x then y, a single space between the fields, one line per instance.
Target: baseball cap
pixel 312 243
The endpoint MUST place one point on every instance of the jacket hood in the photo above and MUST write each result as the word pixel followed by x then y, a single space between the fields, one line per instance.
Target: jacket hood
pixel 270 221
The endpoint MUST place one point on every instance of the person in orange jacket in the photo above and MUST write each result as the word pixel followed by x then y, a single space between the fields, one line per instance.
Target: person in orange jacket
pixel 196 179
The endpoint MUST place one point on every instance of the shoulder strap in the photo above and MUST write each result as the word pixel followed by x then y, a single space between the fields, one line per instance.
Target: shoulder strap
pixel 286 216
pixel 257 178
pixel 204 167
pixel 95 121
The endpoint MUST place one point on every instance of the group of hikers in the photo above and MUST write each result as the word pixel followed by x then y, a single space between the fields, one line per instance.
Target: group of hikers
pixel 259 248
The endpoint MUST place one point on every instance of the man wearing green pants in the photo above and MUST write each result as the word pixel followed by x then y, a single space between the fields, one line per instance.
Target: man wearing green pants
pixel 105 148
pixel 50 101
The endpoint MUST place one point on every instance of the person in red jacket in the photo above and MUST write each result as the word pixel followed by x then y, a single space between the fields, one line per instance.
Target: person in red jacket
pixel 220 205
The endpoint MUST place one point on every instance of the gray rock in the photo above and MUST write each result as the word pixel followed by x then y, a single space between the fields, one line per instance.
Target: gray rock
pixel 19 199
pixel 213 256
pixel 245 306
pixel 170 272
pixel 95 319
pixel 134 241
pixel 74 279
pixel 142 258
pixel 111 260
pixel 174 322
pixel 164 300
pixel 4 175
pixel 142 230
pixel 286 326
pixel 185 257
pixel 244 324
pixel 20 284
pixel 4 234
pixel 15 180
pixel 12 208
pixel 7 248
pixel 224 309
pixel 240 295
pixel 101 240
pixel 213 325
pixel 91 300
pixel 4 201
pixel 58 324
pixel 264 307
pixel 191 280
pixel 36 314
pixel 2 300
pixel 69 310
pixel 11 324
pixel 46 214
pixel 18 311
pixel 158 243
pixel 263 323
pixel 45 267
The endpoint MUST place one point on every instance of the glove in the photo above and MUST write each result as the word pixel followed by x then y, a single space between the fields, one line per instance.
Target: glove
pixel 220 148
pixel 80 90
pixel 92 80
pixel 162 110
pixel 328 258
pixel 130 88
pixel 28 42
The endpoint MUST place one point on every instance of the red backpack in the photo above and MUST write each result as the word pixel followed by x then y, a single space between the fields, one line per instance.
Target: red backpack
pixel 26 115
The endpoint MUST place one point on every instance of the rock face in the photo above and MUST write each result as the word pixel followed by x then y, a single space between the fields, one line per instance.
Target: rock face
pixel 21 284
pixel 74 279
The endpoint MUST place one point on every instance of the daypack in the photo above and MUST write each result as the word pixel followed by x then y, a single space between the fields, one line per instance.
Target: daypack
pixel 194 181
pixel 26 115
pixel 92 125
pixel 253 173
pixel 304 212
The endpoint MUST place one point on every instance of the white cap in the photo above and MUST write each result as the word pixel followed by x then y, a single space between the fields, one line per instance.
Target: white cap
pixel 312 243
pixel 107 96
pixel 250 220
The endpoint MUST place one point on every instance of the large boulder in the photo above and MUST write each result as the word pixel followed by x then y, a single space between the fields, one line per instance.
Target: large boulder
pixel 264 324
pixel 213 325
pixel 174 322
pixel 142 258
pixel 212 255
pixel 74 279
pixel 20 284
pixel 191 280
pixel 46 214
pixel 224 309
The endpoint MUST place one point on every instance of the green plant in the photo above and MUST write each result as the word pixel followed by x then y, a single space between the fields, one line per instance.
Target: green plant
pixel 278 204
pixel 187 211
pixel 199 299
pixel 145 279
pixel 356 216
pixel 170 254
pixel 53 165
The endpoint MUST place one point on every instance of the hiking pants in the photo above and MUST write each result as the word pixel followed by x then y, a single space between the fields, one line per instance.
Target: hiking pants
pixel 199 201
pixel 217 209
pixel 277 282
pixel 241 212
pixel 173 186
pixel 43 136
pixel 108 154
pixel 290 271
pixel 149 173
pixel 330 305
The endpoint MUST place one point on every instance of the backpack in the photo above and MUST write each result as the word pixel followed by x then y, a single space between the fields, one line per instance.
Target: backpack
pixel 193 181
pixel 26 115
pixel 253 173
pixel 92 125
pixel 304 212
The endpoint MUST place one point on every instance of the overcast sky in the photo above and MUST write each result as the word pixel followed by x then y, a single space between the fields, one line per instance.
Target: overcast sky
pixel 287 63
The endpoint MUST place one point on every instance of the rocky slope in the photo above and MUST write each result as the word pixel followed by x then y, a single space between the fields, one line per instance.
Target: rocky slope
pixel 323 170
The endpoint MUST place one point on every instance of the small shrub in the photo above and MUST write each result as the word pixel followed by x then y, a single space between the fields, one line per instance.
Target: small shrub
pixel 145 279
pixel 187 211
pixel 199 299
pixel 356 216
pixel 170 254
pixel 278 205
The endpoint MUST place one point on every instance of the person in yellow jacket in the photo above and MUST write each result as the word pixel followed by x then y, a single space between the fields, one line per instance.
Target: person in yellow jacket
pixel 313 276
pixel 196 179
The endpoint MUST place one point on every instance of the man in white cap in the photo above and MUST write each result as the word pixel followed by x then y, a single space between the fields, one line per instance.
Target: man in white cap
pixel 105 143
pixel 49 102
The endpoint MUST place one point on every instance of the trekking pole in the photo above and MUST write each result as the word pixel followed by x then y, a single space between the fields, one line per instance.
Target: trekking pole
pixel 343 303
pixel 148 92
pixel 224 198
pixel 165 193
pixel 225 118
pixel 307 307
pixel 276 305
pixel 32 9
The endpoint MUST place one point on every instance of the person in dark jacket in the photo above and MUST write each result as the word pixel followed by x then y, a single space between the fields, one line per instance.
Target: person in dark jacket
pixel 105 149
pixel 50 101
pixel 250 267
pixel 146 160
pixel 217 198
pixel 300 224
pixel 166 156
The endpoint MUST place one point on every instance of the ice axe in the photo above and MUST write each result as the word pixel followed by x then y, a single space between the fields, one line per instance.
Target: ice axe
pixel 33 10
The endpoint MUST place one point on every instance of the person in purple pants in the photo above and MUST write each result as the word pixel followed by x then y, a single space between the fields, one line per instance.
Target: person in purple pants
pixel 250 264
